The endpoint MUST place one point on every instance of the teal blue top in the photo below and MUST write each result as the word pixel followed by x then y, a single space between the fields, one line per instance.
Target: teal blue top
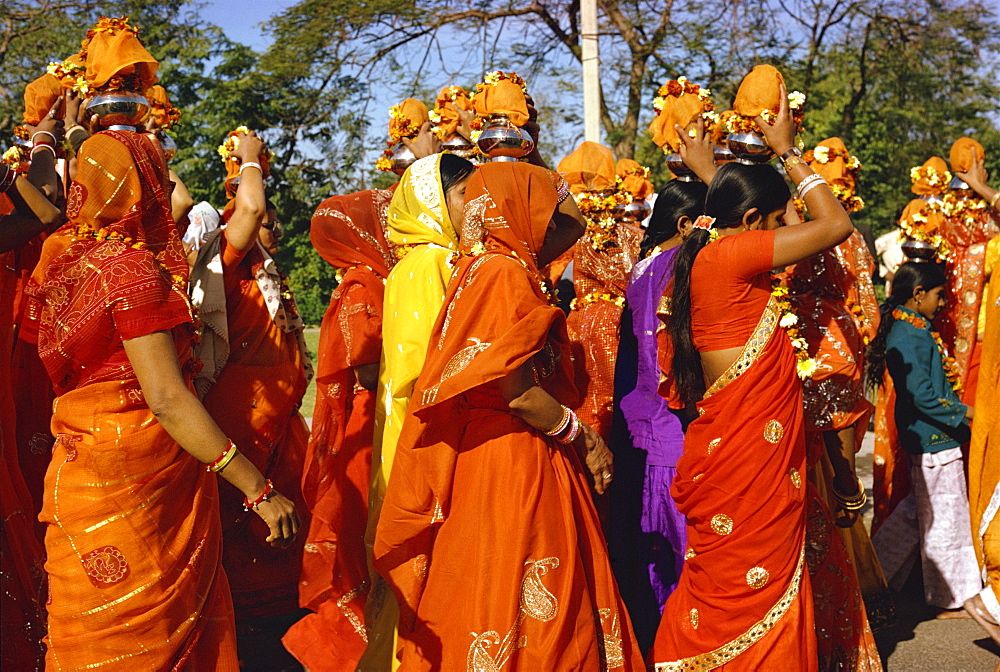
pixel 929 415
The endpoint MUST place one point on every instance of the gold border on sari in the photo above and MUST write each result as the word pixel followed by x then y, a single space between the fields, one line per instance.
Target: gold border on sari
pixel 751 351
pixel 729 651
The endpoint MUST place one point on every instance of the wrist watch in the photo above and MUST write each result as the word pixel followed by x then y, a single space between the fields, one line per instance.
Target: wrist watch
pixel 792 158
pixel 792 151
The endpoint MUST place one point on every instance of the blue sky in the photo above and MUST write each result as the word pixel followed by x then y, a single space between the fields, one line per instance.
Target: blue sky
pixel 241 19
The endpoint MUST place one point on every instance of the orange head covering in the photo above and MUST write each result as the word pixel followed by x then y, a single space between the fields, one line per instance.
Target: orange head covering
pixel 834 163
pixel 591 167
pixel 116 59
pixel 406 119
pixel 931 178
pixel 39 96
pixel 679 102
pixel 445 114
pixel 502 93
pixel 760 90
pixel 633 178
pixel 961 154
pixel 226 150
pixel 163 113
pixel 508 209
pixel 351 231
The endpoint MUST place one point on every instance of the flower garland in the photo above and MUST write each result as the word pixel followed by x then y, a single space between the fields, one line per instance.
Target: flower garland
pixel 930 176
pixel 599 208
pixel 71 75
pixel 496 76
pixel 170 113
pixel 106 24
pixel 805 365
pixel 232 141
pixel 951 369
pixel 824 155
pixel 594 297
pixel 16 157
pixel 132 82
pixel 796 105
pixel 918 226
pixel 858 313
pixel 966 208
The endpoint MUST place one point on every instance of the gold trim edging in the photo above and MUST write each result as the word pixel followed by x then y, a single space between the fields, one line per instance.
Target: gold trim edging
pixel 727 652
pixel 751 351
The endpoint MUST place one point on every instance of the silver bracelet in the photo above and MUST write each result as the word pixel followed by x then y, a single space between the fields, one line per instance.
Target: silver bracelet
pixel 54 141
pixel 248 164
pixel 809 187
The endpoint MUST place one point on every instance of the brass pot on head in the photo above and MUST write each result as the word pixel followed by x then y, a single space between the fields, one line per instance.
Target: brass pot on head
pixel 402 158
pixel 959 185
pixel 723 155
pixel 501 140
pixel 918 251
pixel 749 148
pixel 676 165
pixel 459 146
pixel 123 108
pixel 638 210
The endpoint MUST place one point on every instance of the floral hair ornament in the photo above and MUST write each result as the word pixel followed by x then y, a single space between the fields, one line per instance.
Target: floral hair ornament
pixel 704 222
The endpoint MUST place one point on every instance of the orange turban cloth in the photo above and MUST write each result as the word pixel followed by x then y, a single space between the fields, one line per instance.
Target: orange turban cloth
pixel 39 97
pixel 591 167
pixel 834 163
pixel 226 149
pixel 113 48
pixel 760 90
pixel 679 102
pixel 504 97
pixel 931 178
pixel 961 154
pixel 633 178
pixel 450 101
pixel 406 119
pixel 921 218
pixel 163 113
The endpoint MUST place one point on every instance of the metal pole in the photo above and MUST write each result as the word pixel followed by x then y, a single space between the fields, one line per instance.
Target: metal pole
pixel 591 71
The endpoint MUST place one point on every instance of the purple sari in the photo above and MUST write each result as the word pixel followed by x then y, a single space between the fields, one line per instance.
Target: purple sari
pixel 647 533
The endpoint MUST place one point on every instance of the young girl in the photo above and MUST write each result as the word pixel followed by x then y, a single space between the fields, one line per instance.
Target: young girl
pixel 932 424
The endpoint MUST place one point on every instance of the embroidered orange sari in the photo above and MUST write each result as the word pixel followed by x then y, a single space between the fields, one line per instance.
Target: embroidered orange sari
pixel 349 233
pixel 744 600
pixel 958 322
pixel 600 278
pixel 255 401
pixel 488 535
pixel 134 542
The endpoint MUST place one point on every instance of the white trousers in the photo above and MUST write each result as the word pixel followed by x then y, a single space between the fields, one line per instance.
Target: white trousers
pixel 933 520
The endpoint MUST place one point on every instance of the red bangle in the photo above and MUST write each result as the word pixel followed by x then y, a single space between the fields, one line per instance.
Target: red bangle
pixel 262 497
pixel 223 460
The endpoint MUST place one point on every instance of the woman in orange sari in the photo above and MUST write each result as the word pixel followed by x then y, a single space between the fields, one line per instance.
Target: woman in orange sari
pixel 134 541
pixel 602 261
pixel 744 599
pixel 349 232
pixel 488 535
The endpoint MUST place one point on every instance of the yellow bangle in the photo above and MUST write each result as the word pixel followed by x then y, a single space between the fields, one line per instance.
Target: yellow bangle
pixel 993 201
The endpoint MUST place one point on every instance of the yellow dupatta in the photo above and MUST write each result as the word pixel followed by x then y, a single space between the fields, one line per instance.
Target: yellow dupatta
pixel 419 224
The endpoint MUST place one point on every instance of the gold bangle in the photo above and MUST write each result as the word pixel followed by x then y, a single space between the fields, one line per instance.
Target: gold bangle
pixel 993 201
pixel 793 161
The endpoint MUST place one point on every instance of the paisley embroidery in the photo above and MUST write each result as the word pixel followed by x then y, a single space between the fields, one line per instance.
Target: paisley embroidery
pixel 536 602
